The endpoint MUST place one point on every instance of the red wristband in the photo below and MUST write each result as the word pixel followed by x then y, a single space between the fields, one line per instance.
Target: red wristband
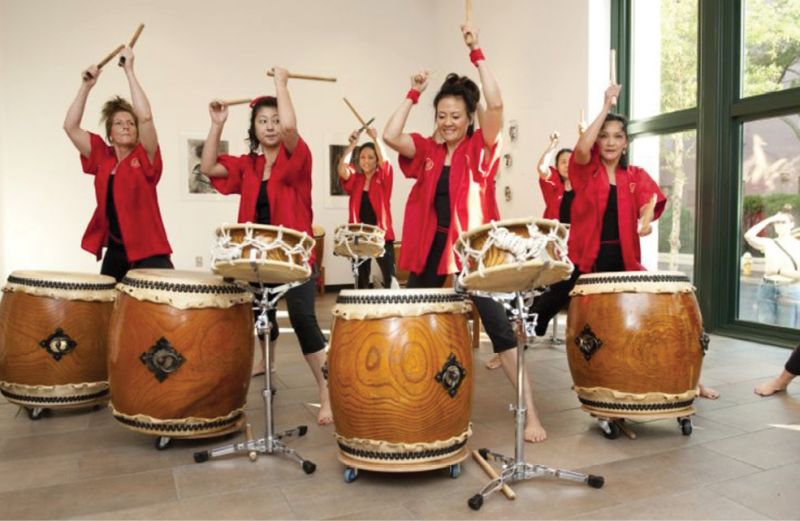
pixel 413 95
pixel 476 55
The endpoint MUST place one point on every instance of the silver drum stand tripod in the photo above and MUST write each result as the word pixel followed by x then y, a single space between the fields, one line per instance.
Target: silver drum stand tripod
pixel 272 444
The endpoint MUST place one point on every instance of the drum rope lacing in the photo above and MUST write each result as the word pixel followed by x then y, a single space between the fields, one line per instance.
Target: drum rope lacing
pixel 54 284
pixel 227 250
pixel 523 249
pixel 344 237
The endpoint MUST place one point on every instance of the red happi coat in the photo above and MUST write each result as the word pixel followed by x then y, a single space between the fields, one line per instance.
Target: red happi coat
pixel 288 188
pixel 135 200
pixel 379 193
pixel 635 188
pixel 553 192
pixel 472 197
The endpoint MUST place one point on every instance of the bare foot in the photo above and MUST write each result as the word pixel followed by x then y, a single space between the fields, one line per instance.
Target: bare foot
pixel 769 388
pixel 708 393
pixel 258 370
pixel 494 362
pixel 534 432
pixel 325 415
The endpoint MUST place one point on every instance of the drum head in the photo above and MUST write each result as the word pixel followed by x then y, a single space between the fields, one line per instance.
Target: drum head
pixel 63 284
pixel 508 278
pixel 358 240
pixel 183 289
pixel 354 304
pixel 632 282
pixel 269 272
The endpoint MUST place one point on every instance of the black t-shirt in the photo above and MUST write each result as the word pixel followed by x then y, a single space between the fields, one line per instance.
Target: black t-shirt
pixel 114 231
pixel 610 222
pixel 262 204
pixel 442 200
pixel 565 209
pixel 367 212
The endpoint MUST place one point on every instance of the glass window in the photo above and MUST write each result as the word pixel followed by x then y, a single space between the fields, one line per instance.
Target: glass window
pixel 671 161
pixel 769 257
pixel 664 67
pixel 771 45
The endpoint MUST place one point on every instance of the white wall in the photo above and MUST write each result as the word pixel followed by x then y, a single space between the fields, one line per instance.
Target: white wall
pixel 192 51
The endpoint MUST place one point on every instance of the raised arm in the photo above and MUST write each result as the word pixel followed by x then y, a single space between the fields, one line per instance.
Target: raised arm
pixel 751 235
pixel 583 150
pixel 209 164
pixel 393 135
pixel 491 120
pixel 72 122
pixel 141 106
pixel 344 159
pixel 547 156
pixel 286 115
pixel 379 151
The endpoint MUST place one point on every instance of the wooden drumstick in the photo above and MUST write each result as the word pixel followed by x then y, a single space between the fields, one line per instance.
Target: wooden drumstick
pixel 105 60
pixel 625 429
pixel 489 470
pixel 298 76
pixel 468 20
pixel 132 42
pixel 613 70
pixel 237 101
pixel 253 455
pixel 355 112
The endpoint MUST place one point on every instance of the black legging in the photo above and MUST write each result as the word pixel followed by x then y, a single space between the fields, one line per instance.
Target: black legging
pixel 793 364
pixel 115 262
pixel 302 315
pixel 495 320
pixel 548 304
pixel 385 263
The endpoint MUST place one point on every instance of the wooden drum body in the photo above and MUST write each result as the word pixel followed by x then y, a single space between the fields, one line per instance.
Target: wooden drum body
pixel 400 378
pixel 358 240
pixel 635 344
pixel 53 331
pixel 180 353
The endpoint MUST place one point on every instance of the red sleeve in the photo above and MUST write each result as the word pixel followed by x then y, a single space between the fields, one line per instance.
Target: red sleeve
pixel 548 188
pixel 97 152
pixel 298 164
pixel 232 183
pixel 349 185
pixel 488 157
pixel 387 175
pixel 413 167
pixel 151 170
pixel 645 189
pixel 579 174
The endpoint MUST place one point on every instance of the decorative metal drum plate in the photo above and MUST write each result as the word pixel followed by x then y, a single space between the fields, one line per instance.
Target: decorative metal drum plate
pixel 451 375
pixel 58 344
pixel 588 342
pixel 162 359
pixel 704 341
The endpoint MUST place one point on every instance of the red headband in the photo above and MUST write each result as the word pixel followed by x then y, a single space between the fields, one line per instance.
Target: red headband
pixel 259 99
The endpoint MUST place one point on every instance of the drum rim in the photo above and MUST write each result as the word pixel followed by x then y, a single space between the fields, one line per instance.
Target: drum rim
pixel 304 236
pixel 514 266
pixel 511 222
pixel 655 276
pixel 61 280
pixel 211 283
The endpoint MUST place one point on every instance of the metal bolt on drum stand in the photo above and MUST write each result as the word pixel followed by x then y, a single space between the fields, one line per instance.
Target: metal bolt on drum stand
pixel 271 444
pixel 516 468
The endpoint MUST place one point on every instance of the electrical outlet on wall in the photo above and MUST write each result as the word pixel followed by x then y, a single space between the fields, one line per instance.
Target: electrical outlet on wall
pixel 198 261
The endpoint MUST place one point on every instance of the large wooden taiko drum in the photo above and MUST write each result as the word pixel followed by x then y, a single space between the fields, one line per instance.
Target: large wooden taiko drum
pixel 180 353
pixel 400 378
pixel 635 344
pixel 53 330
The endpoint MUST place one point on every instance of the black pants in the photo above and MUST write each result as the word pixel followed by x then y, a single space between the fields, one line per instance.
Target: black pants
pixel 495 320
pixel 303 317
pixel 115 262
pixel 385 263
pixel 793 364
pixel 548 304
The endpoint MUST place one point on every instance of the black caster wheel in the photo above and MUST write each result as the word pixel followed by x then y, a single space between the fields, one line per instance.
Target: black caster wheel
pixel 309 467
pixel 302 430
pixel 475 502
pixel 610 430
pixel 201 457
pixel 163 442
pixel 97 407
pixel 484 453
pixel 350 474
pixel 36 413
pixel 595 481
pixel 455 470
pixel 686 426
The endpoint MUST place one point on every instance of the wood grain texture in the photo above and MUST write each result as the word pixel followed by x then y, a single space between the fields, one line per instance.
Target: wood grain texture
pixel 26 320
pixel 382 378
pixel 651 342
pixel 217 345
pixel 268 236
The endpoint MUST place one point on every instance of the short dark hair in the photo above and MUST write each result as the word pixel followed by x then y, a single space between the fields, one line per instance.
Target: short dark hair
pixel 460 87
pixel 264 101
pixel 611 116
pixel 111 107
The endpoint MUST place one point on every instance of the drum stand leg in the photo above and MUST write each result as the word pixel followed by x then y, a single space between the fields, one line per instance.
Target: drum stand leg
pixel 554 340
pixel 356 263
pixel 271 443
pixel 516 469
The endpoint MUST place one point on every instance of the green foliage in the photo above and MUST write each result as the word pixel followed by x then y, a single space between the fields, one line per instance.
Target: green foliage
pixel 687 230
pixel 772 45
pixel 678 54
